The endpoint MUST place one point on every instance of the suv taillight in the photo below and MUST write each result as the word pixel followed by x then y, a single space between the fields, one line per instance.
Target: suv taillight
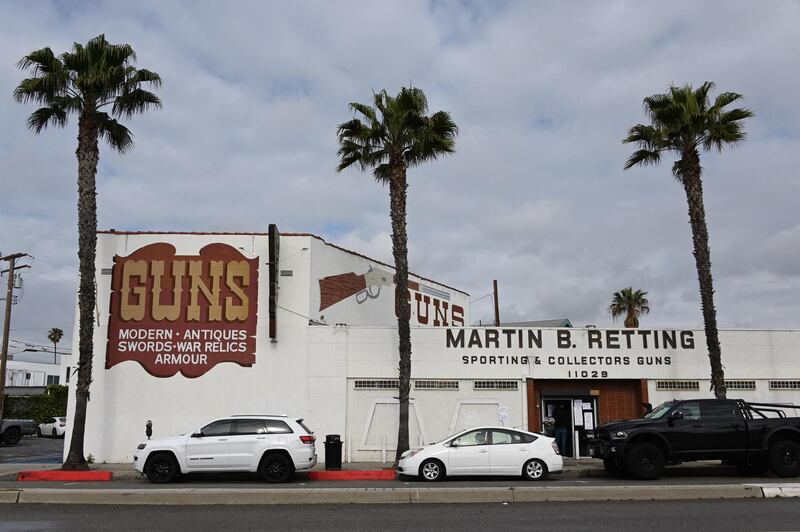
pixel 308 439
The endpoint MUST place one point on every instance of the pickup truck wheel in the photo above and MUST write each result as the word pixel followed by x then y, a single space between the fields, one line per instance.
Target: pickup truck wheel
pixel 613 467
pixel 12 435
pixel 276 468
pixel 161 468
pixel 645 461
pixel 784 458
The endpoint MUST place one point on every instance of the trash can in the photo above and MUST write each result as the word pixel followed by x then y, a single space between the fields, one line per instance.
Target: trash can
pixel 333 452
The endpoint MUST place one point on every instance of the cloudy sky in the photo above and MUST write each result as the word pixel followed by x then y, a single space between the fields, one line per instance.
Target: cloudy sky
pixel 535 196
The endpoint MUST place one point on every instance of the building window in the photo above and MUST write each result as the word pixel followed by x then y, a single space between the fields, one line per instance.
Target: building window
pixel 384 384
pixel 27 376
pixel 740 385
pixel 66 376
pixel 435 385
pixel 784 385
pixel 677 386
pixel 52 379
pixel 496 385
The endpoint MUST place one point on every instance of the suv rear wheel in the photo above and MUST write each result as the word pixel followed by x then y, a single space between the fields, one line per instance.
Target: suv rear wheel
pixel 276 467
pixel 645 461
pixel 784 458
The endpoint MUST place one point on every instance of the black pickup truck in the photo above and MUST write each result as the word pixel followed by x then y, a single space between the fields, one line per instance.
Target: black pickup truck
pixel 754 436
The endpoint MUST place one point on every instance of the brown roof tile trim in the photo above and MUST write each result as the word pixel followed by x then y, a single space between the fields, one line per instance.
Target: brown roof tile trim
pixel 109 232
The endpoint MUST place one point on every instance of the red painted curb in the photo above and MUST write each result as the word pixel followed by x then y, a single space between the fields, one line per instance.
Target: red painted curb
pixel 371 474
pixel 65 476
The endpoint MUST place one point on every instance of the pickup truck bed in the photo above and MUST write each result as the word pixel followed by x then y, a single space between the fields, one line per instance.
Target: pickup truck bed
pixel 755 436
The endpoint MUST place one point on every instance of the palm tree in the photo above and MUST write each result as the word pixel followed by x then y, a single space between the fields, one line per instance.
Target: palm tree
pixel 631 304
pixel 683 121
pixel 389 138
pixel 85 81
pixel 55 336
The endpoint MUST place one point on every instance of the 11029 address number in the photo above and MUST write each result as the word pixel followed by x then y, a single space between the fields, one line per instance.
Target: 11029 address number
pixel 587 374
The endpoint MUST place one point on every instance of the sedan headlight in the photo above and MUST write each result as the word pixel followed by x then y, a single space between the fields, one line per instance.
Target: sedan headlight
pixel 141 446
pixel 409 453
pixel 619 435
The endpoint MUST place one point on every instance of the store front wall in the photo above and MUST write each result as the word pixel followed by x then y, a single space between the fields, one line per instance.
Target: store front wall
pixel 600 400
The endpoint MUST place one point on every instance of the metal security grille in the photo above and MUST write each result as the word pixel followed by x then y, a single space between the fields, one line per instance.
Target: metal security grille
pixel 784 385
pixel 496 385
pixel 740 385
pixel 385 384
pixel 435 385
pixel 675 386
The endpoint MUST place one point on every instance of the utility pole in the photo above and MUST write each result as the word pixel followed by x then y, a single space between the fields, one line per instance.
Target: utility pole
pixel 496 306
pixel 12 259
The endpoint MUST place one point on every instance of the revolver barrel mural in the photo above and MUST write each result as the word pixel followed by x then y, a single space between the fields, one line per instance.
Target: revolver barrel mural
pixel 366 286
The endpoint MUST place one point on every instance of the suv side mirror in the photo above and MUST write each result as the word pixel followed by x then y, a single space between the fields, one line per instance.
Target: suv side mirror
pixel 197 434
pixel 674 416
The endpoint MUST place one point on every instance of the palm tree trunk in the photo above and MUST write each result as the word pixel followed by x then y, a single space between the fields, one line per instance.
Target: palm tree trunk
pixel 693 185
pixel 88 157
pixel 397 194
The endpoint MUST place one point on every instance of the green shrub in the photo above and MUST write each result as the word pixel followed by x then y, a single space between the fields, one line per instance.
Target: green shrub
pixel 38 407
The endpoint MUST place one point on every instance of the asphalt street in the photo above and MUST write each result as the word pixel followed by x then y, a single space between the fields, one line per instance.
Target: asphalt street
pixel 34 450
pixel 728 516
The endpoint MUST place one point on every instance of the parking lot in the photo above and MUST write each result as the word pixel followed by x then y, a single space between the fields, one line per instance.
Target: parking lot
pixel 32 449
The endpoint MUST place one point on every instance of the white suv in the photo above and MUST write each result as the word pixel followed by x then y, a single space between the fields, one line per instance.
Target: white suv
pixel 274 446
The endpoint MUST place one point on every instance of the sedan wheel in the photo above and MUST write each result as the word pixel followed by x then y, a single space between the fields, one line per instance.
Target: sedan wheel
pixel 535 470
pixel 431 471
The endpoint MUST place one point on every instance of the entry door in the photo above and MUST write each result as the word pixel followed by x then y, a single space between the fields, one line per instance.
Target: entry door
pixel 587 406
pixel 210 449
pixel 469 453
pixel 560 411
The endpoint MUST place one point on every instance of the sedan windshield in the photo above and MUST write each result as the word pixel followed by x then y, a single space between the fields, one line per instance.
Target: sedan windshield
pixel 660 410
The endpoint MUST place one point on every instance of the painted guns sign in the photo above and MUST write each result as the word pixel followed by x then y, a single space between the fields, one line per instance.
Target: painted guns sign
pixel 183 313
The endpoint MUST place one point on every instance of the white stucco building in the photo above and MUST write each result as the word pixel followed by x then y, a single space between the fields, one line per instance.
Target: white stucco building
pixel 195 326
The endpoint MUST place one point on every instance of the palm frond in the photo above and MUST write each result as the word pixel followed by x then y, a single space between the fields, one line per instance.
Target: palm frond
pixel 367 111
pixel 681 119
pixel 135 101
pixel 644 158
pixel 45 116
pixel 117 135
